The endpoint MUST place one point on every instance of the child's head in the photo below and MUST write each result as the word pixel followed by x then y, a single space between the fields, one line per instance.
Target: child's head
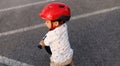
pixel 55 14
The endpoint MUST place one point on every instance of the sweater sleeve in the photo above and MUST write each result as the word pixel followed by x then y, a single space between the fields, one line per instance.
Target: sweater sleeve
pixel 49 38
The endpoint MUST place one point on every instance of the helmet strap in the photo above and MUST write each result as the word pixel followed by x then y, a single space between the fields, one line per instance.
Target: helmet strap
pixel 52 26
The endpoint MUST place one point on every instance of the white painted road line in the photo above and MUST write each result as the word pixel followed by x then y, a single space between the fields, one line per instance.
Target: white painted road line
pixel 95 13
pixel 26 5
pixel 11 62
pixel 21 30
pixel 73 18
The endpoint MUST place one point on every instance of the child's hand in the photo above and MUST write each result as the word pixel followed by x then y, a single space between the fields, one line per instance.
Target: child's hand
pixel 42 43
pixel 39 46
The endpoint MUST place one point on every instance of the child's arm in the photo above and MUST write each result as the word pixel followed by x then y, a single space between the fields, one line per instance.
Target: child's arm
pixel 42 43
pixel 47 48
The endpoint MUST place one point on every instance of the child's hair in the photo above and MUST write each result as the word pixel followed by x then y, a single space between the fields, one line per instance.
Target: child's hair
pixel 61 21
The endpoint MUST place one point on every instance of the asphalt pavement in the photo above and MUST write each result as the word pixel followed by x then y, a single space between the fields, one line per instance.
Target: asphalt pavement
pixel 95 39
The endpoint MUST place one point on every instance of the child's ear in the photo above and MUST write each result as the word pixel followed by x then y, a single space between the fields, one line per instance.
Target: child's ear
pixel 56 23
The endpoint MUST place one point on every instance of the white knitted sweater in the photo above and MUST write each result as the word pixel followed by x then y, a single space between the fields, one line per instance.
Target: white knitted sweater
pixel 58 41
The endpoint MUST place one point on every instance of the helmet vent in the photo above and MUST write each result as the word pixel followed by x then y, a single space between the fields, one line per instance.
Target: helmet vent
pixel 61 6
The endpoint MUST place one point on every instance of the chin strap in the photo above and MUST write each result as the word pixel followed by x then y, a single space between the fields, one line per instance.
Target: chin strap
pixel 52 27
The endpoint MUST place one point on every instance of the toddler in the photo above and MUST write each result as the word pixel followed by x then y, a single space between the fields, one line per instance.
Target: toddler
pixel 55 15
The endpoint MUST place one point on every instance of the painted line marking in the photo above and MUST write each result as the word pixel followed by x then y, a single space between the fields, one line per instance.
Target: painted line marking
pixel 26 5
pixel 73 18
pixel 21 30
pixel 95 13
pixel 11 62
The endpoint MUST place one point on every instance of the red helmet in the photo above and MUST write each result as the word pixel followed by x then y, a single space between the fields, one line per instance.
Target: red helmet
pixel 55 11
